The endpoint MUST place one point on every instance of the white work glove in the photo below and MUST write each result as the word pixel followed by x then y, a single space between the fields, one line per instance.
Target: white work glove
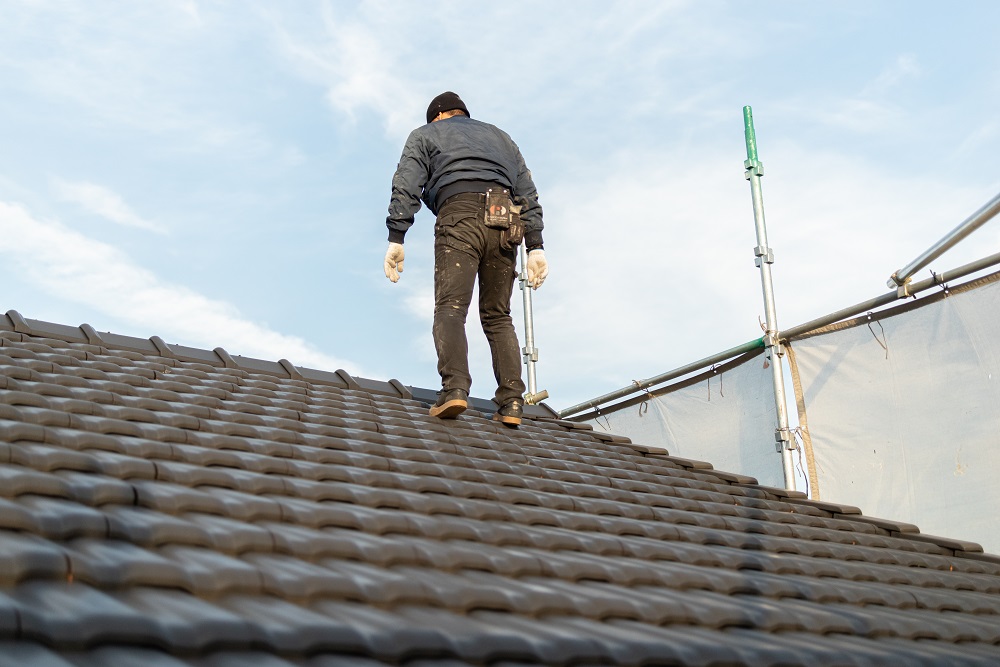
pixel 538 268
pixel 394 261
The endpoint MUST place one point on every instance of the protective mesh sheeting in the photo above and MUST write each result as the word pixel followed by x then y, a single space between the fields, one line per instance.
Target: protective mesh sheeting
pixel 904 413
pixel 726 418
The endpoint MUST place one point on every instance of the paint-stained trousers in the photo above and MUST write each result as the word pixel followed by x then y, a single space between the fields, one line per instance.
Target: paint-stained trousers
pixel 464 247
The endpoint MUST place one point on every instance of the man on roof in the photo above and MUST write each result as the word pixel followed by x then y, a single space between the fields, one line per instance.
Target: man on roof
pixel 471 175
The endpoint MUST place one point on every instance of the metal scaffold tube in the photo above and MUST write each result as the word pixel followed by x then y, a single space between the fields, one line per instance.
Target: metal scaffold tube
pixel 969 225
pixel 641 385
pixel 764 258
pixel 529 351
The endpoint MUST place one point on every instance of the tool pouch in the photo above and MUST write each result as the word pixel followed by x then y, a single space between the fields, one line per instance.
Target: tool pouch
pixel 511 237
pixel 498 212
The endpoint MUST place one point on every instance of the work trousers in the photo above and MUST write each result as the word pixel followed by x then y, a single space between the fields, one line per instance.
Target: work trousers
pixel 464 248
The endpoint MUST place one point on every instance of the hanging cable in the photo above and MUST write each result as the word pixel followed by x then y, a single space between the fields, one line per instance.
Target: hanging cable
pixel 884 345
pixel 644 404
pixel 715 371
pixel 597 418
pixel 798 440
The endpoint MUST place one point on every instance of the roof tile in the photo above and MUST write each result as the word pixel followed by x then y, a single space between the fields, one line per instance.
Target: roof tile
pixel 200 508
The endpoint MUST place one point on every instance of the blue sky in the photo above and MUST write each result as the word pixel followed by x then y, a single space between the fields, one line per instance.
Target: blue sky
pixel 217 173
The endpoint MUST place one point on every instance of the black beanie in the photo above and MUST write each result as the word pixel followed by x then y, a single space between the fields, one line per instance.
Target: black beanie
pixel 445 102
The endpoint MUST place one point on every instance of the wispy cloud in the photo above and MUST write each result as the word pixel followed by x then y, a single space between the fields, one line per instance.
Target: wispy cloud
pixel 360 60
pixel 872 109
pixel 373 57
pixel 79 269
pixel 101 201
pixel 904 67
pixel 98 69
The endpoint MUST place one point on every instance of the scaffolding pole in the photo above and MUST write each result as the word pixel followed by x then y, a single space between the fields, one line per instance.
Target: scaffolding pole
pixel 764 258
pixel 529 351
pixel 641 385
pixel 969 225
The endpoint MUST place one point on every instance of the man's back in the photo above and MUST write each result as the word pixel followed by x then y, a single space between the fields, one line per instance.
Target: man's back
pixel 472 176
pixel 460 154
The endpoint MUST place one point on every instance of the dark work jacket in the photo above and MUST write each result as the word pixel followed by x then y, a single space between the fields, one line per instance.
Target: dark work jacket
pixel 443 156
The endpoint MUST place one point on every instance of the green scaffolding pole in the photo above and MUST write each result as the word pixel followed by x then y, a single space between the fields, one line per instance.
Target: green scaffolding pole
pixel 764 258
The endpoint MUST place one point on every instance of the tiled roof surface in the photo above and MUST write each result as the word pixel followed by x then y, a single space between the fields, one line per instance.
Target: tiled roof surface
pixel 167 506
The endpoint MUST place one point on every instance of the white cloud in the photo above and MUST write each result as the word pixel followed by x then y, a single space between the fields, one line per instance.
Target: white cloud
pixel 79 269
pixel 378 58
pixel 105 203
pixel 150 68
pixel 359 61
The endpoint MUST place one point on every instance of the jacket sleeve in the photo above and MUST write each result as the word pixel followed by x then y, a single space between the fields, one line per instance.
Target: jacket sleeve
pixel 407 186
pixel 526 196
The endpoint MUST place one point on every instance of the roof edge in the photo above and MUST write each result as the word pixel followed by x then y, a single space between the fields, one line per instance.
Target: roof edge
pixel 218 357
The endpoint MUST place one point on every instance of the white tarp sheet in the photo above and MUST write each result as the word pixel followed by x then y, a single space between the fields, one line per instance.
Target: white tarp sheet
pixel 726 418
pixel 904 413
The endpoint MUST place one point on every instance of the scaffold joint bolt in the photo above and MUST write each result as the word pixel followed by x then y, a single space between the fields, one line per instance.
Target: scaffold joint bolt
pixel 782 440
pixel 753 167
pixel 763 254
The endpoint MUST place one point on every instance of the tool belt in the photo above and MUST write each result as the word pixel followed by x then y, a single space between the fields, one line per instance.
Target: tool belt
pixel 501 213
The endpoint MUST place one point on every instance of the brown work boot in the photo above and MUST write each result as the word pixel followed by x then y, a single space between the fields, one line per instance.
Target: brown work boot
pixel 510 413
pixel 450 403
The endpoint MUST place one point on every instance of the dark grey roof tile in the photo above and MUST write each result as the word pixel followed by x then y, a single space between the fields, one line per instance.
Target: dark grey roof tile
pixel 209 573
pixel 229 478
pixel 342 515
pixel 255 658
pixel 230 536
pixel 485 637
pixel 949 600
pixel 296 579
pixel 497 638
pixel 945 542
pixel 33 415
pixel 16 480
pixel 190 404
pixel 114 563
pixel 468 529
pixel 54 518
pixel 455 555
pixel 56 403
pixel 45 458
pixel 285 627
pixel 31 654
pixel 74 615
pixel 149 528
pixel 184 622
pixel 131 656
pixel 381 633
pixel 97 490
pixel 178 499
pixel 875 621
pixel 9 371
pixel 139 411
pixel 561 539
pixel 804 648
pixel 237 459
pixel 115 456
pixel 25 556
pixel 332 542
